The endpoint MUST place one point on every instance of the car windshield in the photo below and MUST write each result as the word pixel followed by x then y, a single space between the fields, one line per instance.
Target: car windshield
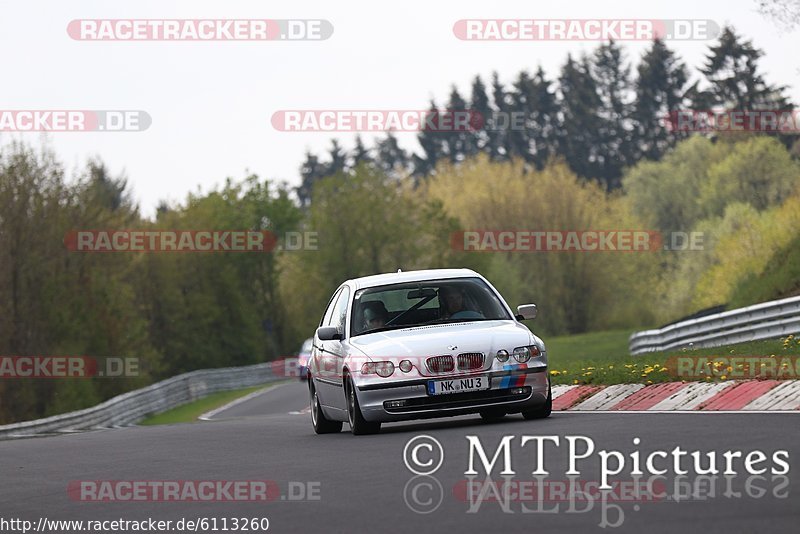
pixel 426 302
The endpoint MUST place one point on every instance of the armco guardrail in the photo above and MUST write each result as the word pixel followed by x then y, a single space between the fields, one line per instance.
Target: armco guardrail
pixel 130 408
pixel 761 321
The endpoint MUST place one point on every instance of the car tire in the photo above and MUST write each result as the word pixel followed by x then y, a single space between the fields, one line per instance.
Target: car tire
pixel 322 425
pixel 542 411
pixel 490 416
pixel 358 425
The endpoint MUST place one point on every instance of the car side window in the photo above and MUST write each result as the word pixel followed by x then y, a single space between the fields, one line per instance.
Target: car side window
pixel 326 318
pixel 340 314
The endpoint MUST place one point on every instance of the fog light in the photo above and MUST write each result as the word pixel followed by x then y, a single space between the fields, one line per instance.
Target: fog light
pixel 406 366
pixel 395 404
pixel 518 391
pixel 502 355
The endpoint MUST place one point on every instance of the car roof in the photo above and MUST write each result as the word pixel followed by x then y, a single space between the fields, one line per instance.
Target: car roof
pixel 410 276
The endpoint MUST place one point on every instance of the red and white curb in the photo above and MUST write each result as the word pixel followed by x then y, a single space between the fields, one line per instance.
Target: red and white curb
pixel 734 395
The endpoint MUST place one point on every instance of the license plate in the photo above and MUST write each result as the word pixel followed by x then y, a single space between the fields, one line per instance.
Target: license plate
pixel 458 385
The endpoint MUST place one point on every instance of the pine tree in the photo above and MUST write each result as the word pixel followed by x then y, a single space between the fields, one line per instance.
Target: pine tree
pixel 518 135
pixel 498 147
pixel 614 90
pixel 660 90
pixel 482 113
pixel 310 171
pixel 456 140
pixel 432 146
pixel 734 79
pixel 360 154
pixel 544 122
pixel 390 157
pixel 338 159
pixel 580 106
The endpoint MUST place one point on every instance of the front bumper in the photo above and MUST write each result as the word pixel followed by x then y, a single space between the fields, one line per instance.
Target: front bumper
pixel 511 391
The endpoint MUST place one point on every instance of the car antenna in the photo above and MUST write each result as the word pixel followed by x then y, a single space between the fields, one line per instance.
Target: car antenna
pixel 399 270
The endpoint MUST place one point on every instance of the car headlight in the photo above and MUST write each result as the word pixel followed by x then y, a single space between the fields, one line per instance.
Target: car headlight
pixel 502 355
pixel 383 369
pixel 524 354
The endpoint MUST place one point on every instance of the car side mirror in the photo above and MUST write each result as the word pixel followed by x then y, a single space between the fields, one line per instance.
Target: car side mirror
pixel 328 333
pixel 526 311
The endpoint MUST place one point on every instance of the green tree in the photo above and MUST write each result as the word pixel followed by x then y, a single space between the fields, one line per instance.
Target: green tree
pixel 660 86
pixel 759 172
pixel 614 88
pixel 667 194
pixel 498 137
pixel 432 143
pixel 580 108
pixel 734 80
pixel 480 105
pixel 367 223
pixel 390 157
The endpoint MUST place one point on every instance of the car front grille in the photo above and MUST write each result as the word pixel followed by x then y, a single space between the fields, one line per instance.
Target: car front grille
pixel 440 364
pixel 470 360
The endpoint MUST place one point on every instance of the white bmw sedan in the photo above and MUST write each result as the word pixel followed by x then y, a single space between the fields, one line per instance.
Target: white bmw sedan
pixel 418 344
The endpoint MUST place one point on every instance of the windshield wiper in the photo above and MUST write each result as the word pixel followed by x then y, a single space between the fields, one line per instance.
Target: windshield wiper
pixel 382 329
pixel 428 323
pixel 460 320
pixel 451 321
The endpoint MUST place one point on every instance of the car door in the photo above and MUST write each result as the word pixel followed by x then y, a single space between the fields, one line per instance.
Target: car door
pixel 335 350
pixel 317 361
pixel 330 354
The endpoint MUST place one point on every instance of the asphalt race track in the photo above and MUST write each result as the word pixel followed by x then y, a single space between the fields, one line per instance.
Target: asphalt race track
pixel 361 484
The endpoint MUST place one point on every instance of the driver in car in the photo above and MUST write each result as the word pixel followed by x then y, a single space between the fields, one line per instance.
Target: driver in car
pixel 454 305
pixel 375 314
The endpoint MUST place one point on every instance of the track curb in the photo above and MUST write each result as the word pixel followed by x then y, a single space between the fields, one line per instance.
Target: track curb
pixel 733 395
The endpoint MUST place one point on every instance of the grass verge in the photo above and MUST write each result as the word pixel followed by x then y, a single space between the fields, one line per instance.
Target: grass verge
pixel 188 413
pixel 603 358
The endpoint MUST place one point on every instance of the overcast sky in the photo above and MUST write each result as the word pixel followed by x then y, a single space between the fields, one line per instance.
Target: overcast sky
pixel 211 102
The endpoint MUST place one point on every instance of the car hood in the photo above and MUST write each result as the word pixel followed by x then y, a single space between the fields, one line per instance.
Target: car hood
pixel 423 341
